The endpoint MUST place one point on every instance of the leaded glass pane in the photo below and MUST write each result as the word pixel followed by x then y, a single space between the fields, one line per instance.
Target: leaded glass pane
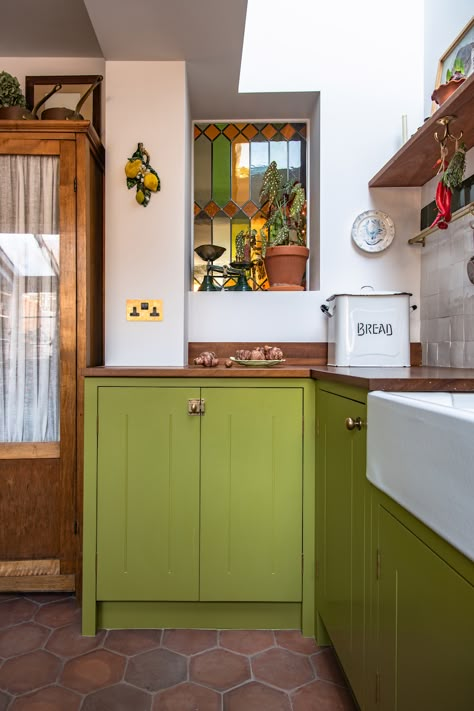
pixel 202 170
pixel 221 170
pixel 229 162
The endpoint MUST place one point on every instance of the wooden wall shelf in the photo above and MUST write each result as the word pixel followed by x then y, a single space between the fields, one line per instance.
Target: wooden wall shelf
pixel 414 164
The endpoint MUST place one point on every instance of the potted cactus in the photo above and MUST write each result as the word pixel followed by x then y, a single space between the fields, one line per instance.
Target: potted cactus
pixel 284 232
pixel 12 100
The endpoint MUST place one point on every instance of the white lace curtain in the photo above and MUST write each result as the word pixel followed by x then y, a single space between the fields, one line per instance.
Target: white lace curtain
pixel 29 298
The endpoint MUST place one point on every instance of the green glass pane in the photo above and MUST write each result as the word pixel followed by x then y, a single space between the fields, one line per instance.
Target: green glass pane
pixel 202 126
pixel 202 170
pixel 239 222
pixel 240 170
pixel 221 126
pixel 221 236
pixel 259 161
pixel 221 170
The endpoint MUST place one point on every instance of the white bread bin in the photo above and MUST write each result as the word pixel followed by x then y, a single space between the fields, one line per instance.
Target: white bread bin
pixel 369 329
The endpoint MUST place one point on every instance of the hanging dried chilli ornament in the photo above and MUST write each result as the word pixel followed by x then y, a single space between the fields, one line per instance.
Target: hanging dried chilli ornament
pixel 142 176
pixel 452 178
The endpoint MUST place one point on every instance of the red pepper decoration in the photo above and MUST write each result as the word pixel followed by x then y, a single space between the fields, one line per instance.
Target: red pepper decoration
pixel 443 203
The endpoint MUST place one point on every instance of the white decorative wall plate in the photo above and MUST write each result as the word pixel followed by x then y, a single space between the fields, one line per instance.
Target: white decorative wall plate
pixel 373 231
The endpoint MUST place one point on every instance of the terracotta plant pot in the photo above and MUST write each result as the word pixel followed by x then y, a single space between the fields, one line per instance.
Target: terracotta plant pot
pixel 286 266
pixel 14 113
pixel 444 91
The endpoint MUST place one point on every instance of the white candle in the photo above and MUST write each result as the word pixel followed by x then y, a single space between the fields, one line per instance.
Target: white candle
pixel 404 129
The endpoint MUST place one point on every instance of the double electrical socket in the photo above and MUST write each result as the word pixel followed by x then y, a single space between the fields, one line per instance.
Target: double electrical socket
pixel 144 310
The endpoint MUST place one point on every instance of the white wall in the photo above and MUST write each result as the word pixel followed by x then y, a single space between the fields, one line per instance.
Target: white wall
pixel 358 57
pixel 146 247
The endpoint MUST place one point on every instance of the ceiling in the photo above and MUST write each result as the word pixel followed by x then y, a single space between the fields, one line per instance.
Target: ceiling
pixel 207 34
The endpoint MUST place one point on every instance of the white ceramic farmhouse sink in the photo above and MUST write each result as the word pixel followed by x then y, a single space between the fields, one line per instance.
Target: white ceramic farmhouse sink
pixel 420 451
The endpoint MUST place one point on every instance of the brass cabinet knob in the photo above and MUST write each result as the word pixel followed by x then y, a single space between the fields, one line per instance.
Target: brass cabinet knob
pixel 353 424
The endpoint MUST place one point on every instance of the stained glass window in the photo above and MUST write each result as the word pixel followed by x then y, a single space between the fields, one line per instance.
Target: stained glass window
pixel 229 162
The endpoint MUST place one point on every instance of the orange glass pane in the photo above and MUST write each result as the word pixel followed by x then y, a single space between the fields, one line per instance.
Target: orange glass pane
pixel 197 131
pixel 250 208
pixel 231 131
pixel 288 131
pixel 211 208
pixel 212 132
pixel 230 209
pixel 250 131
pixel 240 169
pixel 269 131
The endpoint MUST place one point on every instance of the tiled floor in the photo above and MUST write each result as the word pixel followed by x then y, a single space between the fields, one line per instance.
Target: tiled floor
pixel 46 665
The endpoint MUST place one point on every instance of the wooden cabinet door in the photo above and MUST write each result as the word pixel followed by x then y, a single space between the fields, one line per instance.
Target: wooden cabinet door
pixel 340 521
pixel 251 494
pixel 147 494
pixel 425 625
pixel 37 473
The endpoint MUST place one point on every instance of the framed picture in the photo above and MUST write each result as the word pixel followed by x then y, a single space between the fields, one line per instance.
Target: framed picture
pixel 73 88
pixel 461 49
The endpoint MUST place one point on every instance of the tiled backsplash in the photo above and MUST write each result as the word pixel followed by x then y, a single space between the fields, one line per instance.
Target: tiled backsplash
pixel 447 296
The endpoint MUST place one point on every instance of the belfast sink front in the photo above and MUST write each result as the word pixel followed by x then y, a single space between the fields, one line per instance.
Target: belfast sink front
pixel 420 451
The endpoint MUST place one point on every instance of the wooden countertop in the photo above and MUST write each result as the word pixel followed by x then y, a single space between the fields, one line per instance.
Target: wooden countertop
pixel 422 378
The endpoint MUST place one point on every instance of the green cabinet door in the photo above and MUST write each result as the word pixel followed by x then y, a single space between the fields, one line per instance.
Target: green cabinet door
pixel 340 530
pixel 251 494
pixel 425 625
pixel 147 494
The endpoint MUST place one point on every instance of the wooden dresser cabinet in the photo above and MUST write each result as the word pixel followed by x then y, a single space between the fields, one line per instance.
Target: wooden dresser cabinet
pixel 40 481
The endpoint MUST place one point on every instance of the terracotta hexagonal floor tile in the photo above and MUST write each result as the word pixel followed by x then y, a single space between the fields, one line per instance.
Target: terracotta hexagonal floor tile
pixel 256 697
pixel 294 640
pixel 246 641
pixel 93 671
pixel 326 667
pixel 323 696
pixel 52 698
pixel 155 670
pixel 16 610
pixel 130 642
pixel 189 641
pixel 4 701
pixel 47 597
pixel 58 614
pixel 187 697
pixel 21 639
pixel 219 669
pixel 120 697
pixel 69 642
pixel 282 668
pixel 29 671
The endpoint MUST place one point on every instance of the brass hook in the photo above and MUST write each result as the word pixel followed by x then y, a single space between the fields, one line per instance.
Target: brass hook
pixel 445 121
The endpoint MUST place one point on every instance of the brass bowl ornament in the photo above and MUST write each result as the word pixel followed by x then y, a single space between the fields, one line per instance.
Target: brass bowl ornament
pixel 142 176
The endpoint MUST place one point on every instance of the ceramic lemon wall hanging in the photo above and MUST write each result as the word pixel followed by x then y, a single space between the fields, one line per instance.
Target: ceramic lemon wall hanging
pixel 142 176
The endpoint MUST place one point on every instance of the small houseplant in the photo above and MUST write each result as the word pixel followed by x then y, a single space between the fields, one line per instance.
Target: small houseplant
pixel 12 100
pixel 455 76
pixel 284 232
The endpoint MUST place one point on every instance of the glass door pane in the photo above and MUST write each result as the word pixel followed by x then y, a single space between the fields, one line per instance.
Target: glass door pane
pixel 29 300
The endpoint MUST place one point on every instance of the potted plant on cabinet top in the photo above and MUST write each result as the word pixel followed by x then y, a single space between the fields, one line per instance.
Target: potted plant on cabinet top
pixel 284 233
pixel 454 78
pixel 12 101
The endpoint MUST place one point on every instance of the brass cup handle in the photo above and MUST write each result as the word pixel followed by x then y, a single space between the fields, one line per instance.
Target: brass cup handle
pixel 353 424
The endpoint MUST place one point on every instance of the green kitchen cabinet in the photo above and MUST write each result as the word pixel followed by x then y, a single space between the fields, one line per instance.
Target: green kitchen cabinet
pixel 423 636
pixel 194 513
pixel 147 494
pixel 251 494
pixel 341 488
